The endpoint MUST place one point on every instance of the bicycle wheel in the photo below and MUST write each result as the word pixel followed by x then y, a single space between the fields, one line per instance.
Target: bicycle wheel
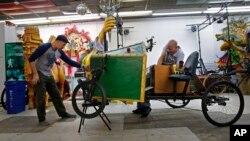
pixel 213 77
pixel 223 103
pixel 89 99
pixel 3 99
pixel 27 95
pixel 178 103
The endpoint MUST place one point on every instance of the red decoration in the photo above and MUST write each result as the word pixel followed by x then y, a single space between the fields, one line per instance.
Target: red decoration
pixel 76 43
pixel 74 29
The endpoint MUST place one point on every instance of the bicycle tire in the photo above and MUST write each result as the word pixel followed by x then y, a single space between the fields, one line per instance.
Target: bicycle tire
pixel 215 77
pixel 27 96
pixel 185 103
pixel 3 99
pixel 101 104
pixel 207 99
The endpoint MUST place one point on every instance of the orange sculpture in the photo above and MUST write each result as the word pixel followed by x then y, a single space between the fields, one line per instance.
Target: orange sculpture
pixel 31 40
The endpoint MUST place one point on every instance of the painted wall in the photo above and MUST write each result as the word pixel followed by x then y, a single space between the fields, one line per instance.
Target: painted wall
pixel 163 29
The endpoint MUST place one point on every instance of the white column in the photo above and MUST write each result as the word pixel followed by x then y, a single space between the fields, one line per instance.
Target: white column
pixel 7 34
pixel 2 55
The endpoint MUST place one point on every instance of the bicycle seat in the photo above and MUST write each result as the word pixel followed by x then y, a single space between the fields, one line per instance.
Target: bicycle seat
pixel 180 77
pixel 189 68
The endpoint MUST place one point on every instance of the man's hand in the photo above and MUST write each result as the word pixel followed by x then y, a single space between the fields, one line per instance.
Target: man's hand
pixel 109 24
pixel 35 79
pixel 86 67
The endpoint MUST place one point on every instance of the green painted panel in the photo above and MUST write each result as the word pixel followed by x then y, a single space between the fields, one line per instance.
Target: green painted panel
pixel 123 77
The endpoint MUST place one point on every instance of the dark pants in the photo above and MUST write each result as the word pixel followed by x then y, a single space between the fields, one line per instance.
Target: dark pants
pixel 47 83
pixel 149 82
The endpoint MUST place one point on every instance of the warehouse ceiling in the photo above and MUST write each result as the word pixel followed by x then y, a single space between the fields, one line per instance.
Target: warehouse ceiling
pixel 19 9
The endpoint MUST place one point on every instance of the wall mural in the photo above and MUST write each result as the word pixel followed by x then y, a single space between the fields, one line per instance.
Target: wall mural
pixel 79 41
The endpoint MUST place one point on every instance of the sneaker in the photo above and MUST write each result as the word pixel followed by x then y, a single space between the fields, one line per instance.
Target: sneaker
pixel 146 112
pixel 137 111
pixel 67 115
pixel 44 123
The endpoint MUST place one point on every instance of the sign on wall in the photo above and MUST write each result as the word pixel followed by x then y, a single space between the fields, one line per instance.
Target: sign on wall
pixel 14 61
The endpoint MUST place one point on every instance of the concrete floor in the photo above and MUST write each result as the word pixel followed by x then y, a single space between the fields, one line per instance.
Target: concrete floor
pixel 163 124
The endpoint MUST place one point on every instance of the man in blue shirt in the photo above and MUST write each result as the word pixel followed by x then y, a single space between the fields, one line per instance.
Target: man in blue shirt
pixel 41 62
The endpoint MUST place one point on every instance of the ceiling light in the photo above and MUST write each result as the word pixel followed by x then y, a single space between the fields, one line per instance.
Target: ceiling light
pixel 229 8
pixel 30 19
pixel 220 1
pixel 130 14
pixel 69 13
pixel 224 11
pixel 177 13
pixel 74 18
pixel 32 22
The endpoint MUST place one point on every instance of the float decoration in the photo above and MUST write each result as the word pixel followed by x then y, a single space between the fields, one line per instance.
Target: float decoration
pixel 237 32
pixel 78 41
pixel 237 50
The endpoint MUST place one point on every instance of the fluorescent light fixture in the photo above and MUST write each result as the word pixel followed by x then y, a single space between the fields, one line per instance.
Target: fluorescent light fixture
pixel 87 16
pixel 239 10
pixel 135 13
pixel 69 13
pixel 30 19
pixel 32 22
pixel 211 12
pixel 131 14
pixel 177 13
pixel 220 1
pixel 74 18
pixel 229 8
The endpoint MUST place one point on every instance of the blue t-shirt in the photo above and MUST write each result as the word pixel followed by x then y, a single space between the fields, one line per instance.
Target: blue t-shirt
pixel 45 58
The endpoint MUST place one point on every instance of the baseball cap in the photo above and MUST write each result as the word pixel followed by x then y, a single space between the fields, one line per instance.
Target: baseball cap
pixel 62 38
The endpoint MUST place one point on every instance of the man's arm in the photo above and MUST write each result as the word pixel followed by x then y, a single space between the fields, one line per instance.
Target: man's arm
pixel 160 60
pixel 180 58
pixel 35 76
pixel 66 59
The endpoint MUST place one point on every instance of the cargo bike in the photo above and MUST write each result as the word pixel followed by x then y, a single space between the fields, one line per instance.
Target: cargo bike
pixel 121 74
